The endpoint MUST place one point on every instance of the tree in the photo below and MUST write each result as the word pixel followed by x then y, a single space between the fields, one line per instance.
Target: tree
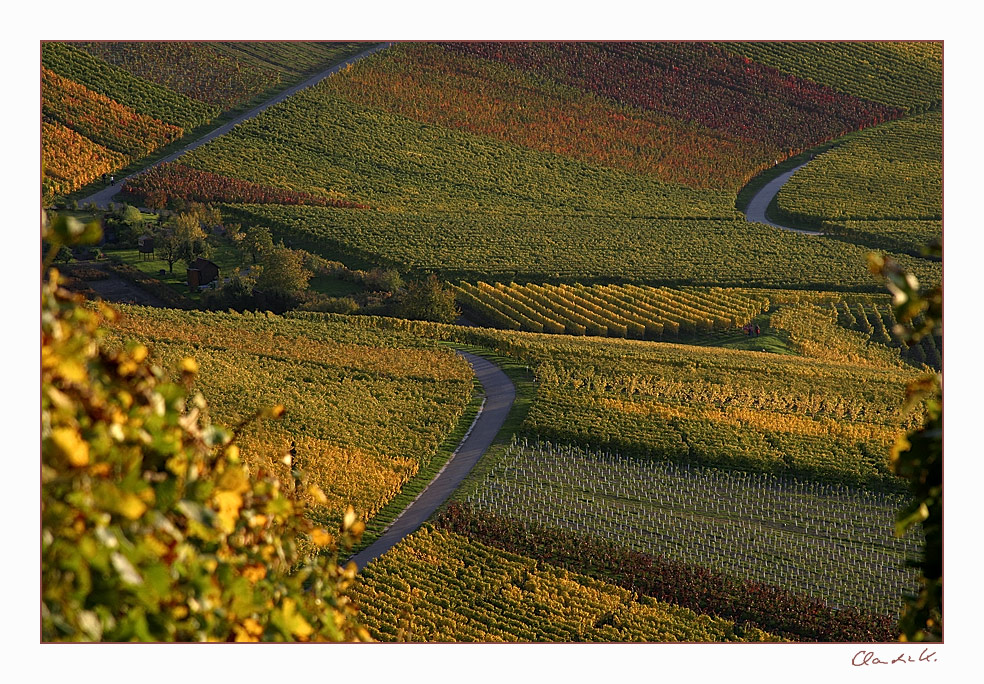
pixel 383 280
pixel 132 217
pixel 428 300
pixel 257 241
pixel 283 271
pixel 152 527
pixel 181 238
pixel 918 456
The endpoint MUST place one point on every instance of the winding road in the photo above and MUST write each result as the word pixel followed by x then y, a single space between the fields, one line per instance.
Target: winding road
pixel 755 211
pixel 500 393
pixel 103 197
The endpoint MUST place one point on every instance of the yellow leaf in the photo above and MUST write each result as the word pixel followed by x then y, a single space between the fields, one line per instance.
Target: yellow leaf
pixel 349 517
pixel 321 538
pixel 254 573
pixel 139 353
pixel 295 622
pixel 130 506
pixel 318 495
pixel 72 370
pixel 189 365
pixel 234 479
pixel 228 504
pixel 70 444
pixel 60 399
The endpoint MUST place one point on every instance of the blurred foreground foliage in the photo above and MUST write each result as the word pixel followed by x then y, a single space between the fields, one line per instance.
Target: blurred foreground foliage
pixel 918 456
pixel 152 528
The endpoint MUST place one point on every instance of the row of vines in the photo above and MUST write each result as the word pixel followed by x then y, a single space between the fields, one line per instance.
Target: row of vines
pixel 608 310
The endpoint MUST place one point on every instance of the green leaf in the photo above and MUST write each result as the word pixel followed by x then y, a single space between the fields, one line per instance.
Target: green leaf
pixel 914 513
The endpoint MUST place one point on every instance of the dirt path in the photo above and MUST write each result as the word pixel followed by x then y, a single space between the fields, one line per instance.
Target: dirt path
pixel 102 198
pixel 760 202
pixel 500 393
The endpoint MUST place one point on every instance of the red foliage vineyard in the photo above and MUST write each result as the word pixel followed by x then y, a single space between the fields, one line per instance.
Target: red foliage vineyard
pixel 786 613
pixel 166 182
pixel 102 120
pixel 697 82
pixel 429 84
pixel 71 160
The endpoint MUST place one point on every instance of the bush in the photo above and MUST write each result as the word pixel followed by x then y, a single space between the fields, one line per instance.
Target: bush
pixel 428 300
pixel 326 304
pixel 383 280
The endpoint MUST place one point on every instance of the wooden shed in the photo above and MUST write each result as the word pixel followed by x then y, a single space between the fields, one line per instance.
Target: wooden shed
pixel 202 272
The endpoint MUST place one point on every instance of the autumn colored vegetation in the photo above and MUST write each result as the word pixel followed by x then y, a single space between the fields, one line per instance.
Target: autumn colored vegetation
pixel 196 70
pixel 697 82
pixel 797 534
pixel 581 197
pixel 496 205
pixel 893 172
pixel 134 98
pixel 166 182
pixel 438 86
pixel 364 409
pixel 143 96
pixel 907 75
pixel 71 160
pixel 152 527
pixel 608 310
pixel 437 585
pixel 788 614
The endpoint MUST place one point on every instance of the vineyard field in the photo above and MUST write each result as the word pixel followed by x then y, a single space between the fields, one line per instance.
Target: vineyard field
pixel 816 419
pixel 433 85
pixel 143 96
pixel 364 408
pixel 134 98
pixel 394 163
pixel 697 82
pixel 908 75
pixel 601 249
pixel 71 160
pixel 196 70
pixel 102 120
pixel 439 586
pixel 787 614
pixel 800 535
pixel 609 310
pixel 893 172
pixel 688 259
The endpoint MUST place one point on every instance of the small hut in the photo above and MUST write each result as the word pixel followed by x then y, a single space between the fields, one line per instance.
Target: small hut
pixel 202 272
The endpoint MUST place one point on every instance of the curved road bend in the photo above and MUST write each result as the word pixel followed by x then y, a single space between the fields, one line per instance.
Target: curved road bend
pixel 500 393
pixel 102 198
pixel 755 211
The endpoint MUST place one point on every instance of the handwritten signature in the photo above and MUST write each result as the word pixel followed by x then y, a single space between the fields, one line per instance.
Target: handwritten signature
pixel 862 658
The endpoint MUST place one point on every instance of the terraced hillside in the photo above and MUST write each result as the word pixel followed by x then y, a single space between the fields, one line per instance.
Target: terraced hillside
pixel 485 161
pixel 706 407
pixel 106 105
pixel 737 465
